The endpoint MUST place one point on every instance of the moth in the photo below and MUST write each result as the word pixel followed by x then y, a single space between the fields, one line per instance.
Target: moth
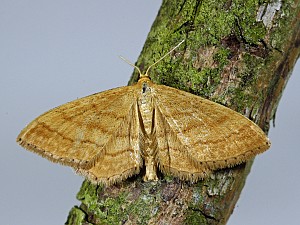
pixel 111 135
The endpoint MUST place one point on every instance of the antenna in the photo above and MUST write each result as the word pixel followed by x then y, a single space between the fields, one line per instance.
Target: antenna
pixel 146 74
pixel 131 64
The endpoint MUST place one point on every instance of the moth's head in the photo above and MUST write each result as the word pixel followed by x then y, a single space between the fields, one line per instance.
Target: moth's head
pixel 144 83
pixel 144 77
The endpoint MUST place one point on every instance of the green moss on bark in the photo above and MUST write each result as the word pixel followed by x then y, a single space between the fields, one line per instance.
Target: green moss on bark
pixel 76 217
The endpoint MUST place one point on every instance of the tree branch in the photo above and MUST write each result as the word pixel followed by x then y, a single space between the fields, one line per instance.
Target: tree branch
pixel 237 53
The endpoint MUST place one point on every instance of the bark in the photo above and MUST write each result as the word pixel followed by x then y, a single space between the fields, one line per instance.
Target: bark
pixel 238 53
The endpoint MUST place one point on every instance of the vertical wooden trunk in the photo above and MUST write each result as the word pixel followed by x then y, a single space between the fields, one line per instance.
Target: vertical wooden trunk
pixel 237 53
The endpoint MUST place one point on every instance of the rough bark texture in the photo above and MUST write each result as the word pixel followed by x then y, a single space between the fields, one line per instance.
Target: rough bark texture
pixel 238 53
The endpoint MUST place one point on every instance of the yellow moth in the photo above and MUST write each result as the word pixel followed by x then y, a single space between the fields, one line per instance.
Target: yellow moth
pixel 111 135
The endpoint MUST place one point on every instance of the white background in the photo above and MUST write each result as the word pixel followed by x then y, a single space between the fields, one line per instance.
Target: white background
pixel 52 52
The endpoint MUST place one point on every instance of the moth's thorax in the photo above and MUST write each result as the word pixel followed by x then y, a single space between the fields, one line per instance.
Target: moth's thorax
pixel 145 103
